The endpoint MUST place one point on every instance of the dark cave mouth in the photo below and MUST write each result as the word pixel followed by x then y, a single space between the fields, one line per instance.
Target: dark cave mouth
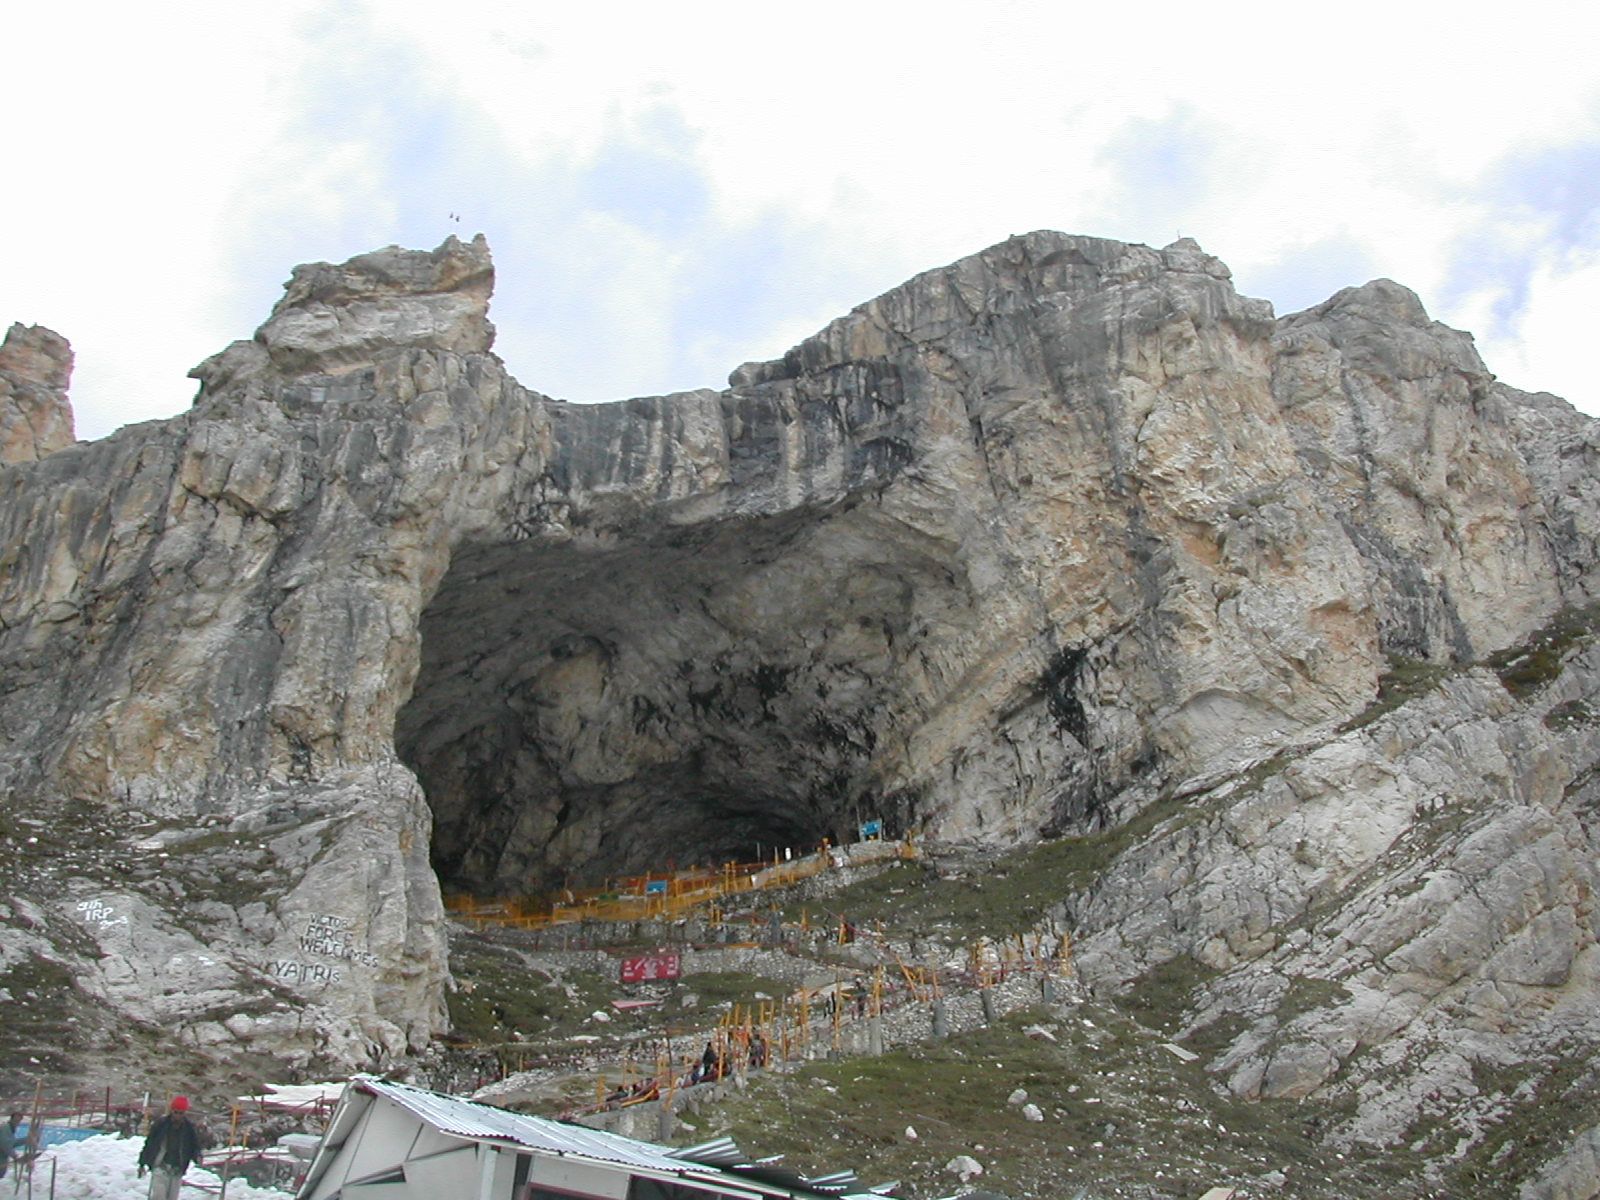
pixel 694 698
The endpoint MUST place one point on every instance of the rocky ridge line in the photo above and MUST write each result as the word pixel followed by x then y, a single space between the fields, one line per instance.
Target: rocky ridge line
pixel 1032 542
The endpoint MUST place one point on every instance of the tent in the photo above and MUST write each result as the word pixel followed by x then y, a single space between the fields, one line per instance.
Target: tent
pixel 390 1141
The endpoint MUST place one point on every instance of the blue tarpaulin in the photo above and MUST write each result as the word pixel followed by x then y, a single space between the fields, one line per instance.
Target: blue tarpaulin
pixel 54 1135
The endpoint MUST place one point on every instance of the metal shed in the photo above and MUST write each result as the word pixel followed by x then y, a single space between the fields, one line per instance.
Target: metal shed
pixel 390 1141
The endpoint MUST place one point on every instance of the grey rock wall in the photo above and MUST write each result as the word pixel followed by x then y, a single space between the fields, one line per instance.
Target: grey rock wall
pixel 1014 548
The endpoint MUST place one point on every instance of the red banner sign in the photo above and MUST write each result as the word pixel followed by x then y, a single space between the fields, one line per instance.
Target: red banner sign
pixel 646 968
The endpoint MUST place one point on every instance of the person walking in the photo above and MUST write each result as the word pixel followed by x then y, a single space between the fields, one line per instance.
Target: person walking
pixel 173 1145
pixel 8 1142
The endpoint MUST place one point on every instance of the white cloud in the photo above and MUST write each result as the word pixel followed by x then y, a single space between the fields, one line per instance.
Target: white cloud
pixel 138 122
pixel 193 153
pixel 1546 348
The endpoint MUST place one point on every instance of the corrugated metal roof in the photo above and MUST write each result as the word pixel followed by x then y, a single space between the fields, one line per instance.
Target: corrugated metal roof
pixel 719 1152
pixel 724 1153
pixel 837 1183
pixel 710 1162
pixel 771 1173
pixel 468 1119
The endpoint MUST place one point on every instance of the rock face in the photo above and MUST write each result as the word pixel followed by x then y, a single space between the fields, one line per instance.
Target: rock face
pixel 35 417
pixel 1063 533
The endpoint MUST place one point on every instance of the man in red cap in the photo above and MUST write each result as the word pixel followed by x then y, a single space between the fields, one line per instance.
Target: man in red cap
pixel 173 1144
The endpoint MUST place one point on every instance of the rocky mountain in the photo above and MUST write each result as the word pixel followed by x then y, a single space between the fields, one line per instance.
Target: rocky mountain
pixel 1288 616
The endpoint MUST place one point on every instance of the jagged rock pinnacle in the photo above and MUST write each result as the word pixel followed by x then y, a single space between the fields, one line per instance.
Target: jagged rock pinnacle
pixel 334 319
pixel 35 416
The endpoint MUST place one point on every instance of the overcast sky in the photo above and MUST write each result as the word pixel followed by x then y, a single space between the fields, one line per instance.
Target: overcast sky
pixel 672 189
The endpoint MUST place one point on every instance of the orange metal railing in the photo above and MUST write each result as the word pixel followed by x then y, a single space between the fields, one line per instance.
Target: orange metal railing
pixel 657 895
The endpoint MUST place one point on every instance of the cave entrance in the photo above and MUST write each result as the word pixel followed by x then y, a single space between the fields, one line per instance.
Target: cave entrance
pixel 584 711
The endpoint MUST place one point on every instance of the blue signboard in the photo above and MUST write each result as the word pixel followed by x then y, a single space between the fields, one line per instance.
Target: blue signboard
pixel 871 829
pixel 655 887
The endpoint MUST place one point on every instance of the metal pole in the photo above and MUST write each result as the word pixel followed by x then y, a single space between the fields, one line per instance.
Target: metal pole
pixel 233 1129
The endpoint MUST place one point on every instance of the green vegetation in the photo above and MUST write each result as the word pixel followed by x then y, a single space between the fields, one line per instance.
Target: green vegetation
pixel 1569 715
pixel 1216 1035
pixel 1404 681
pixel 1160 996
pixel 1306 994
pixel 1250 781
pixel 39 846
pixel 719 989
pixel 33 1038
pixel 1525 669
pixel 1548 1104
pixel 1004 896
pixel 1120 1112
pixel 500 998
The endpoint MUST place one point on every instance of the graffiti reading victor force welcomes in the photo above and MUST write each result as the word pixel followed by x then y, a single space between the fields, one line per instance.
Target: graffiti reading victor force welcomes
pixel 329 937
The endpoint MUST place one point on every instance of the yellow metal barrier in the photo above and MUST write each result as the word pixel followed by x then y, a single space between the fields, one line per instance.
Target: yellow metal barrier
pixel 631 898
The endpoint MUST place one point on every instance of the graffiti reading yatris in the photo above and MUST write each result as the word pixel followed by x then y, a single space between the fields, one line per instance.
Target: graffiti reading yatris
pixel 329 937
pixel 300 972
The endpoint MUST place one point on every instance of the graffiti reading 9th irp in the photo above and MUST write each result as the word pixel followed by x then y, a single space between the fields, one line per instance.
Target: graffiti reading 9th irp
pixel 98 912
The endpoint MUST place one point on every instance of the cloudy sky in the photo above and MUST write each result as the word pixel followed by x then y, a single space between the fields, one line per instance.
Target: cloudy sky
pixel 671 189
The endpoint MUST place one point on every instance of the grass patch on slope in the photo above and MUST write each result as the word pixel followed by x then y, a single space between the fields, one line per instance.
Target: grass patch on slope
pixel 1404 681
pixel 1547 1107
pixel 33 1039
pixel 1159 997
pixel 1005 896
pixel 1122 1115
pixel 721 989
pixel 1525 669
pixel 500 998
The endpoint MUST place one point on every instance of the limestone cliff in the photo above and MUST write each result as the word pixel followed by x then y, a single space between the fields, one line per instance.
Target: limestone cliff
pixel 35 416
pixel 1028 545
